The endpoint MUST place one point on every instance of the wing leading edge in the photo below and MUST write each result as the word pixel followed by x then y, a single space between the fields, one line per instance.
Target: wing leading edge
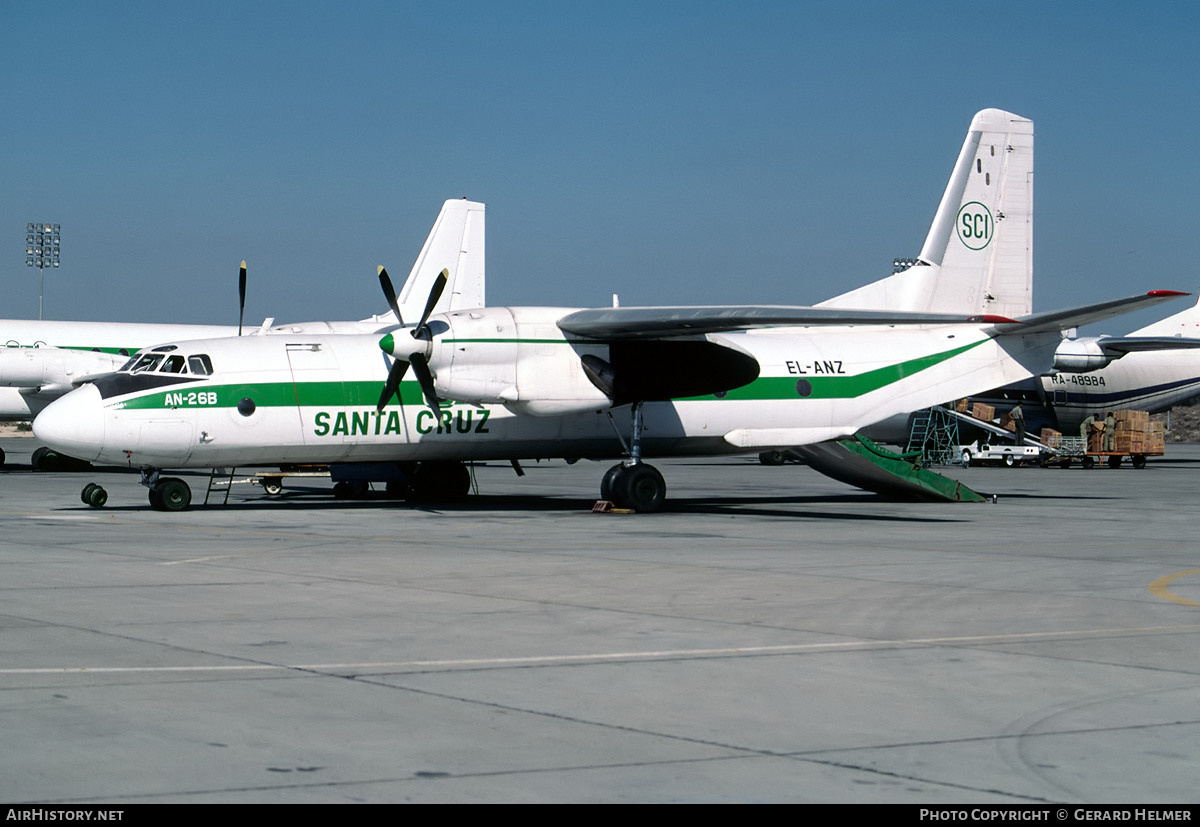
pixel 612 323
pixel 1086 314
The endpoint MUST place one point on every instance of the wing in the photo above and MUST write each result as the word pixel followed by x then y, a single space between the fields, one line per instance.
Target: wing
pixel 615 323
pixel 1076 316
pixel 1118 346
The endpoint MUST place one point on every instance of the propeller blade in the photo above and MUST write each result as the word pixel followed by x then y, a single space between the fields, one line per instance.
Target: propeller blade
pixel 395 375
pixel 435 293
pixel 241 296
pixel 390 292
pixel 425 378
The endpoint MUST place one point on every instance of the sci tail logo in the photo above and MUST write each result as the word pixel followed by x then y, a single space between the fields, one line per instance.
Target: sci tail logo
pixel 975 225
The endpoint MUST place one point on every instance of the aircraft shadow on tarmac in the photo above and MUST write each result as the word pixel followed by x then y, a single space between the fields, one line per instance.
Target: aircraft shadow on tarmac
pixel 313 498
pixel 308 498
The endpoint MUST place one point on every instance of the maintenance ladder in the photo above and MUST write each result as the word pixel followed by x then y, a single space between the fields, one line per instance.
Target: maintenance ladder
pixel 934 433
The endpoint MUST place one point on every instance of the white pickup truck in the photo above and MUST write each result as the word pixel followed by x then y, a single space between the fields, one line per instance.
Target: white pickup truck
pixel 978 453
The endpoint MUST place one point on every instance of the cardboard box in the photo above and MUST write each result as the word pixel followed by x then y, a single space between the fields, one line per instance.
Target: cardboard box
pixel 985 412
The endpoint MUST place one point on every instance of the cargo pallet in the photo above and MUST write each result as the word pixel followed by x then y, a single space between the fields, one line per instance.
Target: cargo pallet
pixel 1068 449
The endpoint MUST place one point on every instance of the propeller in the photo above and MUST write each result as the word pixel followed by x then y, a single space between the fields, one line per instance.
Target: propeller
pixel 390 292
pixel 241 296
pixel 416 357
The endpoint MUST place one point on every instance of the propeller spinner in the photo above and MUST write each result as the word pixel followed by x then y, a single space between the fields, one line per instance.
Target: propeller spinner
pixel 403 355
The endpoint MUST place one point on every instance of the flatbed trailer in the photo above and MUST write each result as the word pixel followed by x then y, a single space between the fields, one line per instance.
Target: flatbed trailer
pixel 1066 450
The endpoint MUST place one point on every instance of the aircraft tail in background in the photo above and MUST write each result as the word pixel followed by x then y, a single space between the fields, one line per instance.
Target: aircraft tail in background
pixel 455 244
pixel 1184 324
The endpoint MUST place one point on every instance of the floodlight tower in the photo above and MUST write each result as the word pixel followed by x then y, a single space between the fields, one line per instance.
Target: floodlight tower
pixel 42 242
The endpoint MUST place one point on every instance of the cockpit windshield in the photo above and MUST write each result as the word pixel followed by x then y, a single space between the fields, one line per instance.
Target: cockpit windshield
pixel 196 365
pixel 145 362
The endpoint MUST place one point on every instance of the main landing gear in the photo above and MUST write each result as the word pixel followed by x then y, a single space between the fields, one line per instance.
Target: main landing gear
pixel 634 484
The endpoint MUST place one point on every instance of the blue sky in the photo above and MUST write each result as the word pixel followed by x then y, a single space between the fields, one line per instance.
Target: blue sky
pixel 672 152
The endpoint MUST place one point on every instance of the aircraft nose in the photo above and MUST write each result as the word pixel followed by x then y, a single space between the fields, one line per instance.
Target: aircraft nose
pixel 74 424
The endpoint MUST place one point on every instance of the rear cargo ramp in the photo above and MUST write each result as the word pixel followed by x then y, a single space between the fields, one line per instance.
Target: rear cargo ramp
pixel 860 462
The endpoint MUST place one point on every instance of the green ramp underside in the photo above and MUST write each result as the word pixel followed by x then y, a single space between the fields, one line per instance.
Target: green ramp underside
pixel 860 462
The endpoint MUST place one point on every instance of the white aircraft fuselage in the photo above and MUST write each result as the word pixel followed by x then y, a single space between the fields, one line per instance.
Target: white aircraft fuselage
pixel 519 392
pixel 1147 380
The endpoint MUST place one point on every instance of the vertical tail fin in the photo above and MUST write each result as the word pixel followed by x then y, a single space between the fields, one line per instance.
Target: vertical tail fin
pixel 978 255
pixel 1185 324
pixel 456 244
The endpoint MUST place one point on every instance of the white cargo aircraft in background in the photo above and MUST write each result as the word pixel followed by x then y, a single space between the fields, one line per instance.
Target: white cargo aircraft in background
pixel 1151 369
pixel 43 360
pixel 530 382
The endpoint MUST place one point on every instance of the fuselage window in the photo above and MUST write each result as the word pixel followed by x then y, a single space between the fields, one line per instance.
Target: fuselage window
pixel 173 364
pixel 200 364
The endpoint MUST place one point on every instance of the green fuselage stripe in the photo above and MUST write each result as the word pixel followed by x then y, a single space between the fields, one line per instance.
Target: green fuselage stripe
pixel 115 351
pixel 366 393
pixel 840 387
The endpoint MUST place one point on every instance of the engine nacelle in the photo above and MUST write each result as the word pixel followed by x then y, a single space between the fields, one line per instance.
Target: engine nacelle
pixel 516 357
pixel 1080 355
pixel 24 367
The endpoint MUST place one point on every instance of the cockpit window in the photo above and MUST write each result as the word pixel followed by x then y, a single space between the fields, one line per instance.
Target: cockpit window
pixel 148 361
pixel 173 364
pixel 200 364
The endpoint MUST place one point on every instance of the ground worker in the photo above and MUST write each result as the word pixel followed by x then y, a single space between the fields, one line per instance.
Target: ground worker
pixel 1089 426
pixel 1110 432
pixel 1018 418
pixel 1085 427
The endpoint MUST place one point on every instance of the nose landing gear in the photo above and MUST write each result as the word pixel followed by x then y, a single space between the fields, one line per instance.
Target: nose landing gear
pixel 166 493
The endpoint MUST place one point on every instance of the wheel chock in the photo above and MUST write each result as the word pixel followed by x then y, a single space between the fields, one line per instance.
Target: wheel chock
pixel 607 507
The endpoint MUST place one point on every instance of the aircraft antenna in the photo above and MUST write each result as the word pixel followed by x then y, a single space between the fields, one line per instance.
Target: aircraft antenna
pixel 241 296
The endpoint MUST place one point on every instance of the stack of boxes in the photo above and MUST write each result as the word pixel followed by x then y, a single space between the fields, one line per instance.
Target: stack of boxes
pixel 1136 434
